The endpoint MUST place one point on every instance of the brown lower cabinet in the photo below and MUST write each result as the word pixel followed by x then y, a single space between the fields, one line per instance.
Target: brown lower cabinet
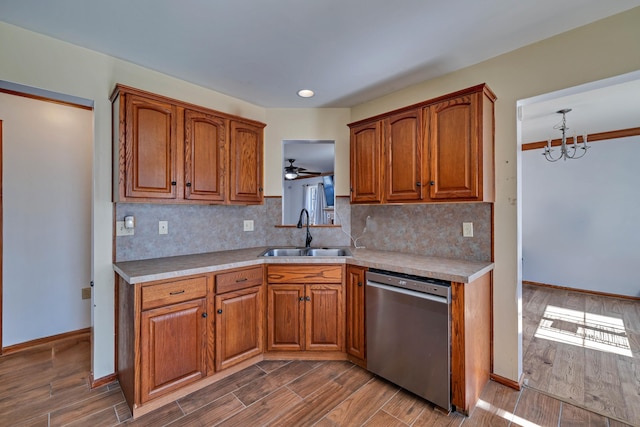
pixel 355 285
pixel 174 335
pixel 173 346
pixel 305 316
pixel 239 317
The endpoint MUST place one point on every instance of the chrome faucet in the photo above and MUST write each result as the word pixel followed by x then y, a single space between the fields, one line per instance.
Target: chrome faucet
pixel 308 240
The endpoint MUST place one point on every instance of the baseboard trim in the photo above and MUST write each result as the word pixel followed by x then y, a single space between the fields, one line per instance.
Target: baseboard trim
pixel 46 340
pixel 516 385
pixel 584 291
pixel 102 381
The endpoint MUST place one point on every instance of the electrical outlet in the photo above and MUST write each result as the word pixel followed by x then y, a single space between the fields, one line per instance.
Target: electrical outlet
pixel 163 227
pixel 248 225
pixel 86 293
pixel 467 229
pixel 122 231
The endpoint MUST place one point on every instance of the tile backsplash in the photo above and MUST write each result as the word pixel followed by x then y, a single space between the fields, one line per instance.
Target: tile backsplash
pixel 427 229
pixel 203 228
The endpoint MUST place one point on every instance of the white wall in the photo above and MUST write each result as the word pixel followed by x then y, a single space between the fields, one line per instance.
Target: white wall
pixel 580 218
pixel 47 151
pixel 293 198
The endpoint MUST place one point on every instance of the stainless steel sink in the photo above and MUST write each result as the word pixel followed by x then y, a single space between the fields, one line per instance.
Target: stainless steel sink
pixel 283 252
pixel 328 252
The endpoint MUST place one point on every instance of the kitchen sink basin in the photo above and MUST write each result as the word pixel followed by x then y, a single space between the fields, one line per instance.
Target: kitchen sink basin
pixel 329 252
pixel 283 252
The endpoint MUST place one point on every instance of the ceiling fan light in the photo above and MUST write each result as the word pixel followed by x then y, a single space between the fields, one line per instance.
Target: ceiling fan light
pixel 290 175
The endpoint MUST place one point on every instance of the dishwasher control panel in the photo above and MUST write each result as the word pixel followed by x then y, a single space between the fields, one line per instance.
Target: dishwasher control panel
pixel 414 283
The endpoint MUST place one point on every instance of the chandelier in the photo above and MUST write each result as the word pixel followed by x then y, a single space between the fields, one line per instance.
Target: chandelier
pixel 572 151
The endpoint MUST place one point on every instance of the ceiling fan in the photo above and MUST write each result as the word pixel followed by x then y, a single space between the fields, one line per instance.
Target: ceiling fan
pixel 292 172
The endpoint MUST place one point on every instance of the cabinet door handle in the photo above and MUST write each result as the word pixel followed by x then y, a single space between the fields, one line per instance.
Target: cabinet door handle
pixel 173 183
pixel 188 184
pixel 418 184
pixel 244 279
pixel 301 298
pixel 176 292
pixel 432 182
pixel 359 283
pixel 219 311
pixel 307 298
pixel 204 315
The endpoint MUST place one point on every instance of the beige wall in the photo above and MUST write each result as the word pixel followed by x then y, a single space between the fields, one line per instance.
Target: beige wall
pixel 600 50
pixel 603 49
pixel 306 123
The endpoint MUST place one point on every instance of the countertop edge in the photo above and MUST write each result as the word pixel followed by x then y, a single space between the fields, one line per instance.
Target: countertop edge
pixel 143 271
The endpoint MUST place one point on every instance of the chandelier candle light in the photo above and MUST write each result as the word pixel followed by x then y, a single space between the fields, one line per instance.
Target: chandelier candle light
pixel 566 151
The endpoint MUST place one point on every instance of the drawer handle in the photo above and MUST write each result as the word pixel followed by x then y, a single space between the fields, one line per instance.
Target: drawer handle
pixel 244 279
pixel 176 292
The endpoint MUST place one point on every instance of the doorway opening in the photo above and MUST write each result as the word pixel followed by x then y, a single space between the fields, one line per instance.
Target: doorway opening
pixel 576 239
pixel 45 215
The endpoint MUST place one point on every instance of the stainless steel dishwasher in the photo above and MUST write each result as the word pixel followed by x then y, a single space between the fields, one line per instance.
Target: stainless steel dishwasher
pixel 408 333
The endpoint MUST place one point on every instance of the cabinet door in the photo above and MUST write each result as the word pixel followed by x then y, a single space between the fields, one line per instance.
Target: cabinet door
pixel 285 319
pixel 204 156
pixel 173 345
pixel 403 152
pixel 453 148
pixel 150 148
pixel 238 326
pixel 355 312
pixel 366 163
pixel 324 321
pixel 246 162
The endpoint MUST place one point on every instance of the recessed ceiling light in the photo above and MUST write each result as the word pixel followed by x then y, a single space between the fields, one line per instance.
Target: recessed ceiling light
pixel 306 93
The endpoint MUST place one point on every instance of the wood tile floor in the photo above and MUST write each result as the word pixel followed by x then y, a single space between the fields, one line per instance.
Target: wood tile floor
pixel 583 349
pixel 48 386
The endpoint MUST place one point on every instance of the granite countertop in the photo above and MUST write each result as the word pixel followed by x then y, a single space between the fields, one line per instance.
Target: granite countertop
pixel 185 265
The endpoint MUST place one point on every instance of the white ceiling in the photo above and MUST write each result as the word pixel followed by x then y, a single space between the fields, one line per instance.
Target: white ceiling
pixel 264 51
pixel 602 106
pixel 315 156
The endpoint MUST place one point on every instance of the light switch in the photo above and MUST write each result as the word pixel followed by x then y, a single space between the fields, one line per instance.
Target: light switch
pixel 163 227
pixel 467 229
pixel 248 225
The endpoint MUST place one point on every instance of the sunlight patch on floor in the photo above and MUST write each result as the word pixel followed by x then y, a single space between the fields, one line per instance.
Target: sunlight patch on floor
pixel 588 330
pixel 505 414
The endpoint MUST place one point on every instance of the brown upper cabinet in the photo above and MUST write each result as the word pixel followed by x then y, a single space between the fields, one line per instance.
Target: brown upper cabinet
pixel 437 150
pixel 366 162
pixel 168 151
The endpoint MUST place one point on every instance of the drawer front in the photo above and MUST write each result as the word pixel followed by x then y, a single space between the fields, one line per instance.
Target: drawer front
pixel 305 273
pixel 173 292
pixel 238 279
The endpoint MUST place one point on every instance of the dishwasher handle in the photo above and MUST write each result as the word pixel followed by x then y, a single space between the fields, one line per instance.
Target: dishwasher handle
pixel 422 295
